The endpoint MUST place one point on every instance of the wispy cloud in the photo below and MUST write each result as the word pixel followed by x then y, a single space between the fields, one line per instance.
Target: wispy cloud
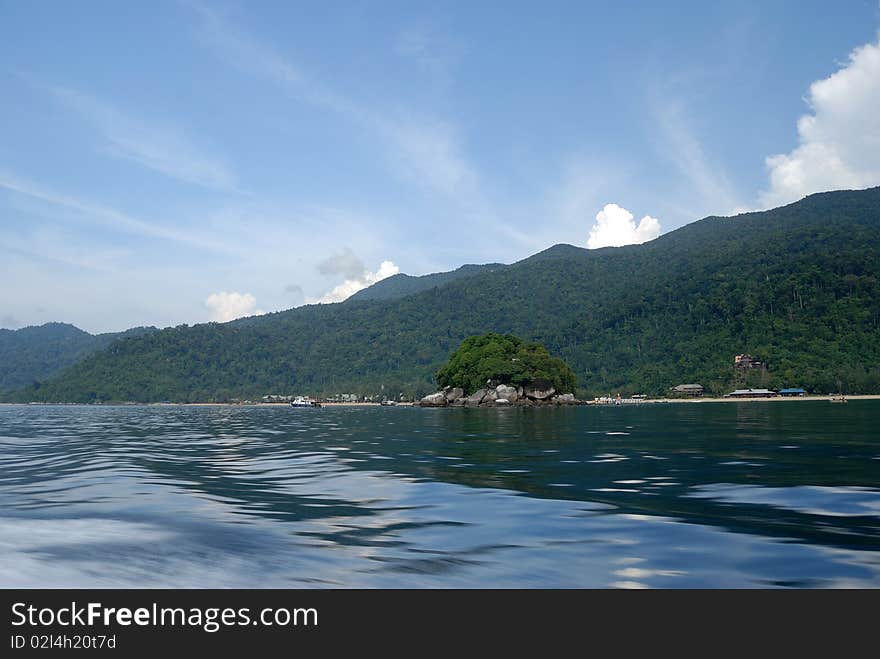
pixel 429 153
pixel 243 51
pixel 162 148
pixel 44 245
pixel 261 60
pixel 106 216
pixel 433 53
pixel 581 185
pixel 424 150
pixel 682 147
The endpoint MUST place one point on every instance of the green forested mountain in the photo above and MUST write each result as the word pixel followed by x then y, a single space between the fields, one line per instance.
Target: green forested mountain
pixel 36 353
pixel 797 287
pixel 401 285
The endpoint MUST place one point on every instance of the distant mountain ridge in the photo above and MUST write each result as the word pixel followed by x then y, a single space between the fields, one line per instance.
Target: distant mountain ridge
pixel 36 353
pixel 798 287
pixel 401 285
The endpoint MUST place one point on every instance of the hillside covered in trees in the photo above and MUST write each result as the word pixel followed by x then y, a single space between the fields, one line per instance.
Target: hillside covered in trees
pixel 798 287
pixel 36 353
pixel 401 285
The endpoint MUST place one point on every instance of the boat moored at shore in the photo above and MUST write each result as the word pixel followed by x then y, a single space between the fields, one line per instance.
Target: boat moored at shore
pixel 304 401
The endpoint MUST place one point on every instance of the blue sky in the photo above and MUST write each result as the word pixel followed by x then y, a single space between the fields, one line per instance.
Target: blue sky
pixel 177 162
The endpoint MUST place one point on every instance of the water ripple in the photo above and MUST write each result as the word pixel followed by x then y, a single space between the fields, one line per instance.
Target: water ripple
pixel 669 496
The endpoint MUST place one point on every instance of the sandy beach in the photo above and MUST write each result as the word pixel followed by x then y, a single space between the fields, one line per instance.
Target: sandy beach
pixel 676 401
pixel 773 399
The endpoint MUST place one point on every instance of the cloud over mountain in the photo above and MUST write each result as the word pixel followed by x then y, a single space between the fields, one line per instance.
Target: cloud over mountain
pixel 615 226
pixel 229 306
pixel 839 140
pixel 354 284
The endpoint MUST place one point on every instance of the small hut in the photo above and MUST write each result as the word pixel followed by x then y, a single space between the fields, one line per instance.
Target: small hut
pixel 688 390
pixel 792 391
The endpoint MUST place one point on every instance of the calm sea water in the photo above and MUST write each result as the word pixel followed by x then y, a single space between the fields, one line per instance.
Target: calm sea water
pixel 662 496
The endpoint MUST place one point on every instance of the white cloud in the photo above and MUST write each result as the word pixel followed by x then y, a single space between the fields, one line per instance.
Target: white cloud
pixel 615 226
pixel 839 141
pixel 351 286
pixel 229 306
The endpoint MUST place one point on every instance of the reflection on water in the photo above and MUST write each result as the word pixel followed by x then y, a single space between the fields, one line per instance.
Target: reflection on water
pixel 708 495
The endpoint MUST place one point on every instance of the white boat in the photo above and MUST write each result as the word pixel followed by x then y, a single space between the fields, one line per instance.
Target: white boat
pixel 304 401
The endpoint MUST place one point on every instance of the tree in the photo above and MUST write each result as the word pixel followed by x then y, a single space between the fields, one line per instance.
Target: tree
pixel 506 359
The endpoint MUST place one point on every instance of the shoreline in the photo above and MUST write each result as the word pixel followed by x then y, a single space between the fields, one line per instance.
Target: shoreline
pixel 760 399
pixel 648 401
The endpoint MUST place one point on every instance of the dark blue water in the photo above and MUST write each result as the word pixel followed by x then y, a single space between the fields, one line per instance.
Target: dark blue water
pixel 662 496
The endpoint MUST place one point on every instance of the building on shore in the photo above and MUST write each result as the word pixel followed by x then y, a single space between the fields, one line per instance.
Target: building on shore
pixel 751 393
pixel 793 391
pixel 276 398
pixel 746 361
pixel 345 398
pixel 687 390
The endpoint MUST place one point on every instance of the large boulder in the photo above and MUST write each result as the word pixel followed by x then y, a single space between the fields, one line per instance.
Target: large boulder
pixel 475 398
pixel 490 397
pixel 453 394
pixel 458 402
pixel 540 390
pixel 565 399
pixel 434 400
pixel 502 402
pixel 505 392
